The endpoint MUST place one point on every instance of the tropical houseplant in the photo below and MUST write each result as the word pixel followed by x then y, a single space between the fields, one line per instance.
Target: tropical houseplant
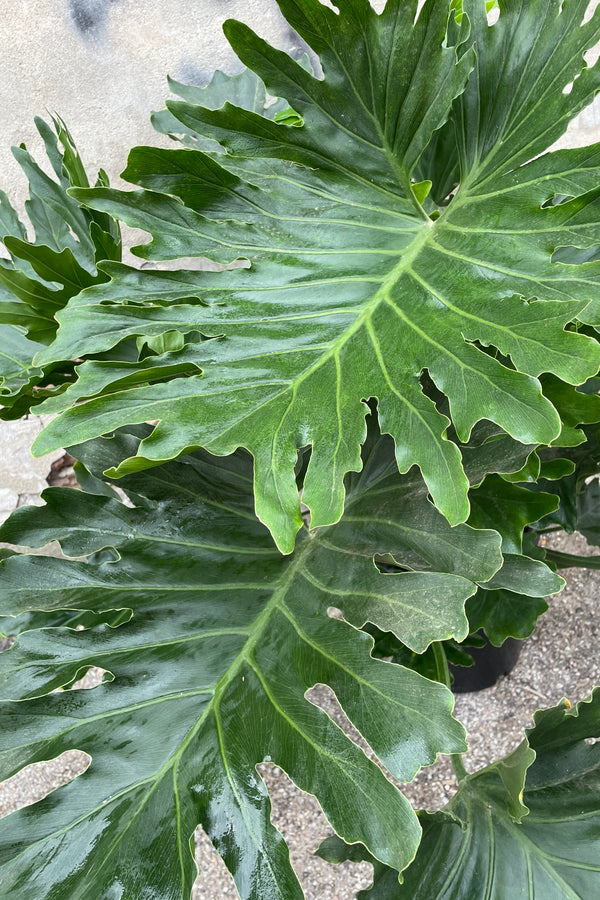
pixel 402 337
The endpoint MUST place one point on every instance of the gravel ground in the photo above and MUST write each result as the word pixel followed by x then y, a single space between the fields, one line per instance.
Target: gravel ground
pixel 560 660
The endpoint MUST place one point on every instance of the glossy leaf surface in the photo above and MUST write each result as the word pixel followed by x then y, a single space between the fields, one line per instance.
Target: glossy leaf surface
pixel 212 638
pixel 492 841
pixel 358 285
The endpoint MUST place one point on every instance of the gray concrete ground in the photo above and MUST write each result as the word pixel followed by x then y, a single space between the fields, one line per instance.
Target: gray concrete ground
pixel 560 659
pixel 22 478
pixel 102 65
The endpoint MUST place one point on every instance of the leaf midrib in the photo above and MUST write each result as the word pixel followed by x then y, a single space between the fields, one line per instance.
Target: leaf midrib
pixel 364 316
pixel 256 632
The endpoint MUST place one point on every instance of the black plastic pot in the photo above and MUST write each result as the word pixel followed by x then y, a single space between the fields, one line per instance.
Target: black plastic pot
pixel 489 663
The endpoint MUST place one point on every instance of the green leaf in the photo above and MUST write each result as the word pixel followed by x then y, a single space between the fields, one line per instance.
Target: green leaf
pixel 493 841
pixel 16 370
pixel 588 512
pixel 520 570
pixel 43 274
pixel 354 291
pixel 9 220
pixel 576 408
pixel 500 607
pixel 530 471
pixel 117 374
pixel 507 116
pixel 572 488
pixel 289 117
pixel 508 508
pixel 358 51
pixel 556 469
pixel 492 450
pixel 201 609
pixel 245 90
pixel 504 614
pixel 421 190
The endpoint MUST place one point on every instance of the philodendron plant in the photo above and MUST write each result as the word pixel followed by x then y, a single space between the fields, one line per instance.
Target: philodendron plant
pixel 334 455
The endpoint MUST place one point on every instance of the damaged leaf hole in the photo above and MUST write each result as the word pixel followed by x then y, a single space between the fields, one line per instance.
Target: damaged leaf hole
pixel 36 781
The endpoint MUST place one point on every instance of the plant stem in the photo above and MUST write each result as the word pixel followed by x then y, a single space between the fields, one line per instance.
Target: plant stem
pixel 568 560
pixel 443 675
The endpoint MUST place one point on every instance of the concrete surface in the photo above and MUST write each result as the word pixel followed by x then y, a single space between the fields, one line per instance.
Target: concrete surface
pixel 103 64
pixel 22 478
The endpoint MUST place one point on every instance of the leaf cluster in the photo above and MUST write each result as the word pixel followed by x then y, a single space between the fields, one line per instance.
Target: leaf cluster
pixel 318 449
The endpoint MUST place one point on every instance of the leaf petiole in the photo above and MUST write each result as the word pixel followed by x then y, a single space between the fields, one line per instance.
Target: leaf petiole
pixel 443 675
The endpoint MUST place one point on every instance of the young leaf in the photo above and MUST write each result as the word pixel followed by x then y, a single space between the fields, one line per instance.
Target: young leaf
pixel 44 273
pixel 245 90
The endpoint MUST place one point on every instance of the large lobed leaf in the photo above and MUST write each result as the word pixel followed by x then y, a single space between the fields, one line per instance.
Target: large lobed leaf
pixel 526 826
pixel 211 639
pixel 358 284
